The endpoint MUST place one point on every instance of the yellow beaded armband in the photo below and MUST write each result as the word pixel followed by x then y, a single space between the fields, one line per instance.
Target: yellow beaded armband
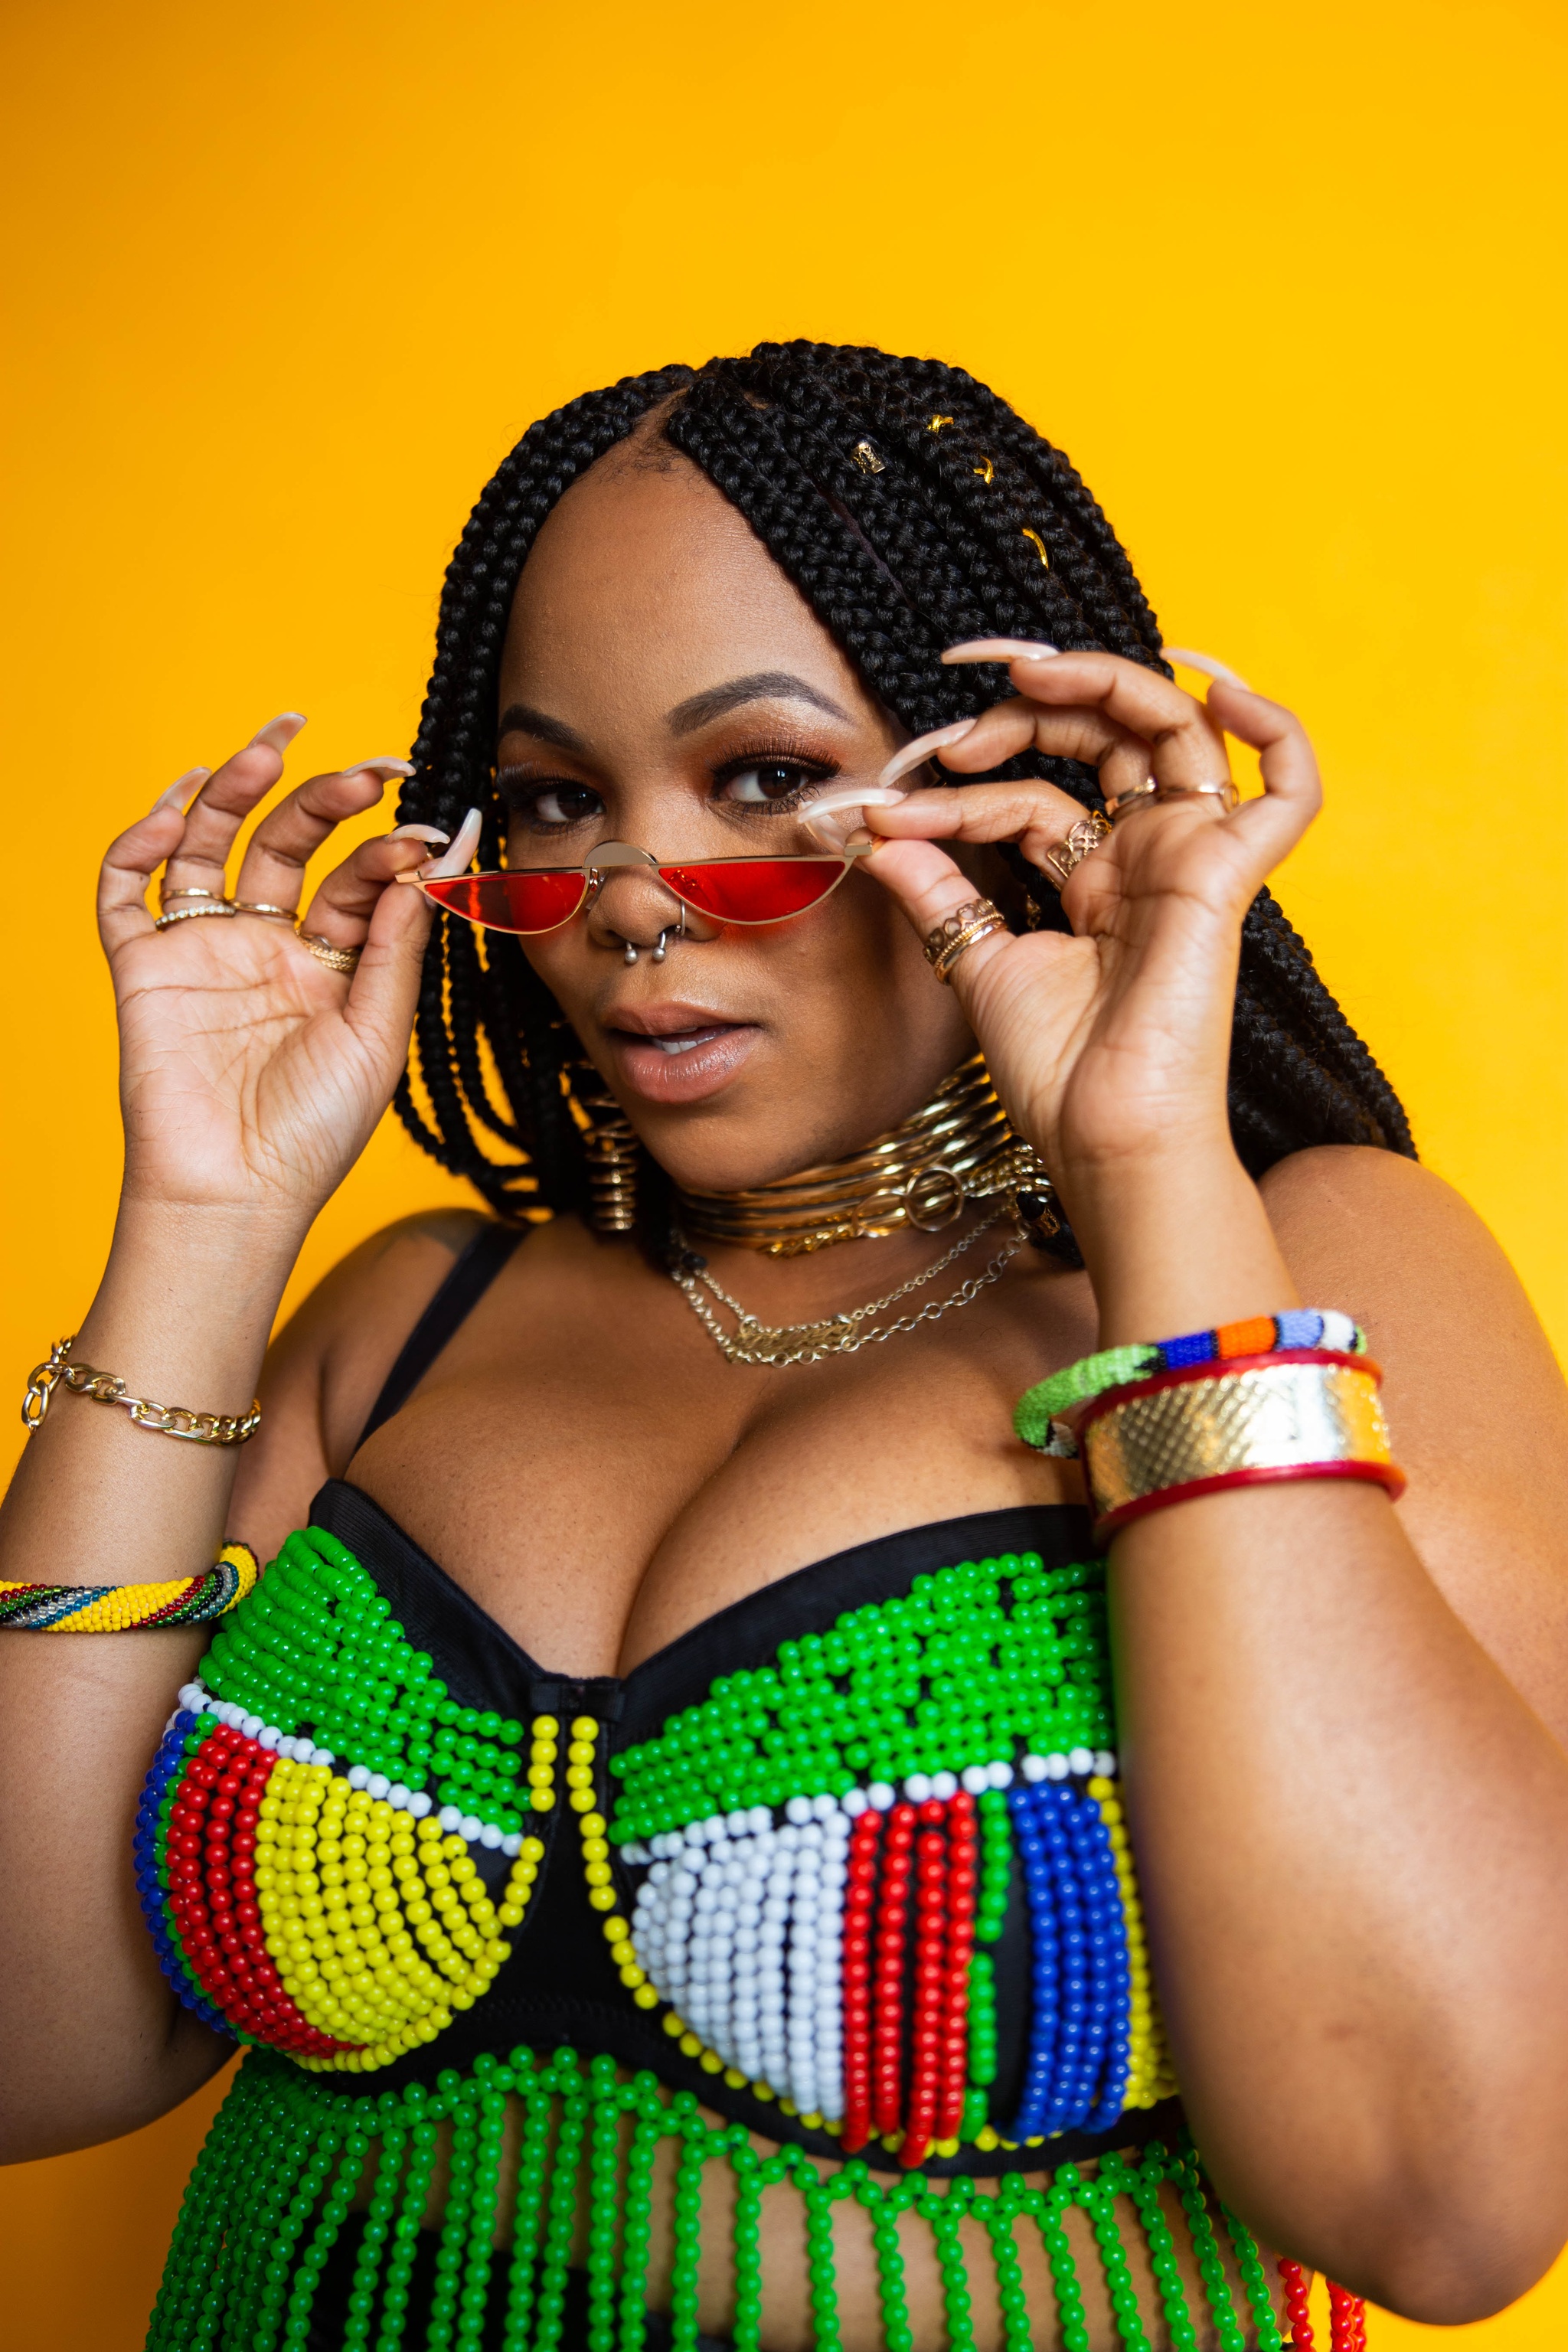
pixel 127 1608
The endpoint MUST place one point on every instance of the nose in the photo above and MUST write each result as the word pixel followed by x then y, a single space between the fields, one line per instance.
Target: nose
pixel 632 909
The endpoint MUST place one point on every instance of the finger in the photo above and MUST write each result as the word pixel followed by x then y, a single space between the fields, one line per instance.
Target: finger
pixel 1123 758
pixel 1186 744
pixel 1292 790
pixel 1035 815
pixel 224 800
pixel 134 856
pixel 273 869
pixel 341 910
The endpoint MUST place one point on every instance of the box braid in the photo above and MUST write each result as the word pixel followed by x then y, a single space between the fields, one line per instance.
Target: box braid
pixel 913 509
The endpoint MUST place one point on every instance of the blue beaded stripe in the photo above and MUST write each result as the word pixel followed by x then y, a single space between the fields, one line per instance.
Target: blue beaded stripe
pixel 149 1891
pixel 1081 2017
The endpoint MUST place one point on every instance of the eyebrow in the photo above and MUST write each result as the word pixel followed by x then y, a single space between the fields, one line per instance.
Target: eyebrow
pixel 762 686
pixel 518 719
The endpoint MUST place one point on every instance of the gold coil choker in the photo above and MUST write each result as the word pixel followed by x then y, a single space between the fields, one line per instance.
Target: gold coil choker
pixel 1259 1420
pixel 957 1148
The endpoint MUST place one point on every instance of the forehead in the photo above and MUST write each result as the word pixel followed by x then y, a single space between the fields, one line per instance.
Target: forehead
pixel 645 583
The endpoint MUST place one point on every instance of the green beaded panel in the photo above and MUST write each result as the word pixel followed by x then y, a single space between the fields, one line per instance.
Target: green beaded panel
pixel 315 1648
pixel 981 1661
pixel 276 2179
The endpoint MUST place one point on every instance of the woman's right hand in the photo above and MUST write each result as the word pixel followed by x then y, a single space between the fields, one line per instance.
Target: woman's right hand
pixel 252 1074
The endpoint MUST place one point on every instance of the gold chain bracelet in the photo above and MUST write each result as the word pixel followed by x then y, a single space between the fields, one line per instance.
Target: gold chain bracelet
pixel 164 1420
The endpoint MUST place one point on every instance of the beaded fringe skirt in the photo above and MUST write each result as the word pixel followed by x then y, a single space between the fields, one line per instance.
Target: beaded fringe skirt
pixel 289 2156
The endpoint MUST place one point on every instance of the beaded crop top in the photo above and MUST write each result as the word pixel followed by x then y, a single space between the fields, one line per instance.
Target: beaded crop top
pixel 844 1864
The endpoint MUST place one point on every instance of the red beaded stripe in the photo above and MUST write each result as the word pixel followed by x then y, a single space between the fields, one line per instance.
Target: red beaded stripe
pixel 1302 2338
pixel 888 2045
pixel 962 1883
pixel 857 1898
pixel 1347 2313
pixel 210 1857
pixel 927 2068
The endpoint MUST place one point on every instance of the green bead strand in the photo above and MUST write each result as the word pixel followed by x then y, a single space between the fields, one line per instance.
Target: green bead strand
pixel 688 2236
pixel 561 2224
pixel 334 2213
pixel 377 2231
pixel 647 2133
pixel 1145 2187
pixel 604 2202
pixel 945 2213
pixel 489 2137
pixel 405 2236
pixel 533 2165
pixel 1255 2283
pixel 1200 2227
pixel 747 2239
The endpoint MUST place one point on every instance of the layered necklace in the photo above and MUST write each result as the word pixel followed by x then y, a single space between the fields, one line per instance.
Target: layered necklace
pixel 956 1148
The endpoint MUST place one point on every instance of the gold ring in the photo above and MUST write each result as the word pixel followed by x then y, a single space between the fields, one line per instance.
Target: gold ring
pixel 1064 856
pixel 1117 805
pixel 164 896
pixel 193 914
pixel 260 907
pixel 1222 790
pixel 335 958
pixel 975 919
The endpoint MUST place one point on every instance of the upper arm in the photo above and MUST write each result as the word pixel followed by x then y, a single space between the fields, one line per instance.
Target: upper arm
pixel 325 1370
pixel 1477 1405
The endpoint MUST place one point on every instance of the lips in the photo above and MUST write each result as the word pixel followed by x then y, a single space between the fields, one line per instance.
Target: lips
pixel 677 1054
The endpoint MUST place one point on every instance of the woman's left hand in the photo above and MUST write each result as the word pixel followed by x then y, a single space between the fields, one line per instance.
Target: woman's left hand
pixel 1110 1047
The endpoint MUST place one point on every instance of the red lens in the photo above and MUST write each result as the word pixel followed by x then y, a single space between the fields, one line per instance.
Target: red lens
pixel 754 889
pixel 511 902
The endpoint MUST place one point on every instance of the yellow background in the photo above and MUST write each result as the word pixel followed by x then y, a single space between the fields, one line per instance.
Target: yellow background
pixel 1284 282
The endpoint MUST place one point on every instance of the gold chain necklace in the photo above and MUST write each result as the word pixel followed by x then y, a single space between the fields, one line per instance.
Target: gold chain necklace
pixel 958 1146
pixel 781 1344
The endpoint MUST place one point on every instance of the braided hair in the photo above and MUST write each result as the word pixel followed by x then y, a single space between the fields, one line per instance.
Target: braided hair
pixel 913 509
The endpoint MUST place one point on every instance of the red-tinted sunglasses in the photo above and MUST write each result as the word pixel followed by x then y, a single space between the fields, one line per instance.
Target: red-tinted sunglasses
pixel 727 890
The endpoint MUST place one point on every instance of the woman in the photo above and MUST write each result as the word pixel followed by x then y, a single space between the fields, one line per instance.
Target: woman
pixel 663 1824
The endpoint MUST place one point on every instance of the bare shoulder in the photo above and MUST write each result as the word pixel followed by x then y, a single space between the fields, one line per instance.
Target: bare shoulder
pixel 326 1366
pixel 1477 1404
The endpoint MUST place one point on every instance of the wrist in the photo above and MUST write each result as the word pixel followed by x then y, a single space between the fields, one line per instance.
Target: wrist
pixel 186 1305
pixel 1176 1242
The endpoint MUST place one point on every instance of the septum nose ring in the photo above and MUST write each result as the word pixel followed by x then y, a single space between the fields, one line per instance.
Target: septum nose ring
pixel 656 953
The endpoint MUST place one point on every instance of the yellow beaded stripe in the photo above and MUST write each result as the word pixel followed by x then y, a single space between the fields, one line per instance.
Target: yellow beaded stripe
pixel 1150 2073
pixel 350 1887
pixel 118 1608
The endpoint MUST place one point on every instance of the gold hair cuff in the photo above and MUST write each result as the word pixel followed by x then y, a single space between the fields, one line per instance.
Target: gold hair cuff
pixel 164 1420
pixel 1259 1420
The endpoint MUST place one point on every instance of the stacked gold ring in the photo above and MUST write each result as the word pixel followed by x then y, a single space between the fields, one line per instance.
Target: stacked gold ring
pixel 336 958
pixel 957 933
pixel 1062 860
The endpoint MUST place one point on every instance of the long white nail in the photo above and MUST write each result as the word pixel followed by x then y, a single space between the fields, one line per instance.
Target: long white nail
pixel 461 856
pixel 1206 664
pixel 1007 649
pixel 835 813
pixel 280 733
pixel 417 832
pixel 916 754
pixel 379 768
pixel 180 789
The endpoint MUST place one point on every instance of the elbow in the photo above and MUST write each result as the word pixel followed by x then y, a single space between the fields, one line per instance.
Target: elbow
pixel 1449 2254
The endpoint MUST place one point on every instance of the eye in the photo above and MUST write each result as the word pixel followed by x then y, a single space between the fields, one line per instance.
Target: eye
pixel 550 806
pixel 769 784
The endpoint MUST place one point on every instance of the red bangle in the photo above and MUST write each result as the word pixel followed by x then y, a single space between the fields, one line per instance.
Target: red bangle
pixel 1297 1413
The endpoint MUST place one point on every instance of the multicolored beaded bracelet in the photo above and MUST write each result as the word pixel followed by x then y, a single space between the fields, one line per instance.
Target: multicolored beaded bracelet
pixel 127 1608
pixel 1114 1368
pixel 1292 1414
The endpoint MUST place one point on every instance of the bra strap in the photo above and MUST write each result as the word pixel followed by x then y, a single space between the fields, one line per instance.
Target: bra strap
pixel 475 1268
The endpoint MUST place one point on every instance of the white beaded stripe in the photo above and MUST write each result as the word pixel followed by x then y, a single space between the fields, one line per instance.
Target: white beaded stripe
pixel 415 1801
